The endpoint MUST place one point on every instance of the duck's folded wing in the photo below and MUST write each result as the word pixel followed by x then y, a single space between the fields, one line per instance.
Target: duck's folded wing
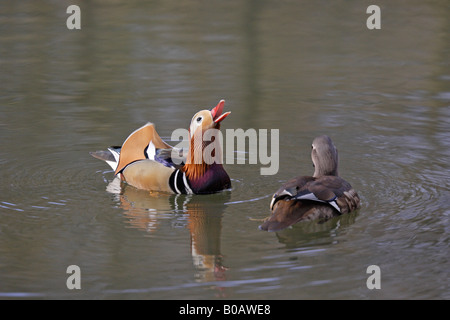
pixel 332 190
pixel 290 189
pixel 173 157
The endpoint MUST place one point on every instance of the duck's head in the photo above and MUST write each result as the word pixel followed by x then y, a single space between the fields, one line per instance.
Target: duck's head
pixel 202 138
pixel 324 156
pixel 208 119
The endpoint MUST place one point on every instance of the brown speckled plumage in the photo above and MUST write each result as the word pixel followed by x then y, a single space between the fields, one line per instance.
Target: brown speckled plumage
pixel 321 196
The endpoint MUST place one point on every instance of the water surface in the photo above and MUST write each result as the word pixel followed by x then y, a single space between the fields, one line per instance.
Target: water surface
pixel 305 68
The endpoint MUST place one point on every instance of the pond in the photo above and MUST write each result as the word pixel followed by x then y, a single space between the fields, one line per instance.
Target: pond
pixel 304 68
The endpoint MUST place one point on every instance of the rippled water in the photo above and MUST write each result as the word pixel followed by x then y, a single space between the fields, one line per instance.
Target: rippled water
pixel 303 68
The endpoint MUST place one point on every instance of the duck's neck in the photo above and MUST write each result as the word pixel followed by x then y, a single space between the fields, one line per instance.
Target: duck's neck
pixel 319 172
pixel 201 156
pixel 326 168
pixel 195 171
pixel 204 168
pixel 213 179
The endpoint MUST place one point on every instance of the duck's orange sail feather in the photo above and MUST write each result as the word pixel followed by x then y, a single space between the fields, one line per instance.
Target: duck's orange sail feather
pixel 133 149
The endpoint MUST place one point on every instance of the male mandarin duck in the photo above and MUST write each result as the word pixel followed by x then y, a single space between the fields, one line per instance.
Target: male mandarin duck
pixel 322 196
pixel 144 159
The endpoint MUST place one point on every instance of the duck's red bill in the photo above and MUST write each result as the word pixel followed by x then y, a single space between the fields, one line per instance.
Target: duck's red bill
pixel 216 112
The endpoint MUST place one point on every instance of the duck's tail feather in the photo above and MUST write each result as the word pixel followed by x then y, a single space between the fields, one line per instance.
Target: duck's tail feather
pixel 110 156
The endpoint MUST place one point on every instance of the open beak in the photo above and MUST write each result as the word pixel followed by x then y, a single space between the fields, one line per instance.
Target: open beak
pixel 216 112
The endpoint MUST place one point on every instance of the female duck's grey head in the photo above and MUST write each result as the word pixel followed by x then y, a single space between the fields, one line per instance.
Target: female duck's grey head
pixel 324 156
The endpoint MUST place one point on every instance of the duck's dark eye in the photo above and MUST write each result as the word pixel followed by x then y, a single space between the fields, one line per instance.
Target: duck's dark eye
pixel 199 119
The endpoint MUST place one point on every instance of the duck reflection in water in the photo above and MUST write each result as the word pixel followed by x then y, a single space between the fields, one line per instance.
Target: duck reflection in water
pixel 308 235
pixel 145 211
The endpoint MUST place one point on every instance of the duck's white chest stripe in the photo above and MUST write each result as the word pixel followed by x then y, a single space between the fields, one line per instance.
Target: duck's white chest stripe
pixel 175 181
pixel 186 184
pixel 179 183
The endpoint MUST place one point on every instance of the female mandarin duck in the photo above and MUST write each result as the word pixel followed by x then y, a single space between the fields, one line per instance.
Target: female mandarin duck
pixel 144 160
pixel 322 196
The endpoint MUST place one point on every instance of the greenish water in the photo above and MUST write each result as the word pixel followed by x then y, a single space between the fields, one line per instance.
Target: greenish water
pixel 305 68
